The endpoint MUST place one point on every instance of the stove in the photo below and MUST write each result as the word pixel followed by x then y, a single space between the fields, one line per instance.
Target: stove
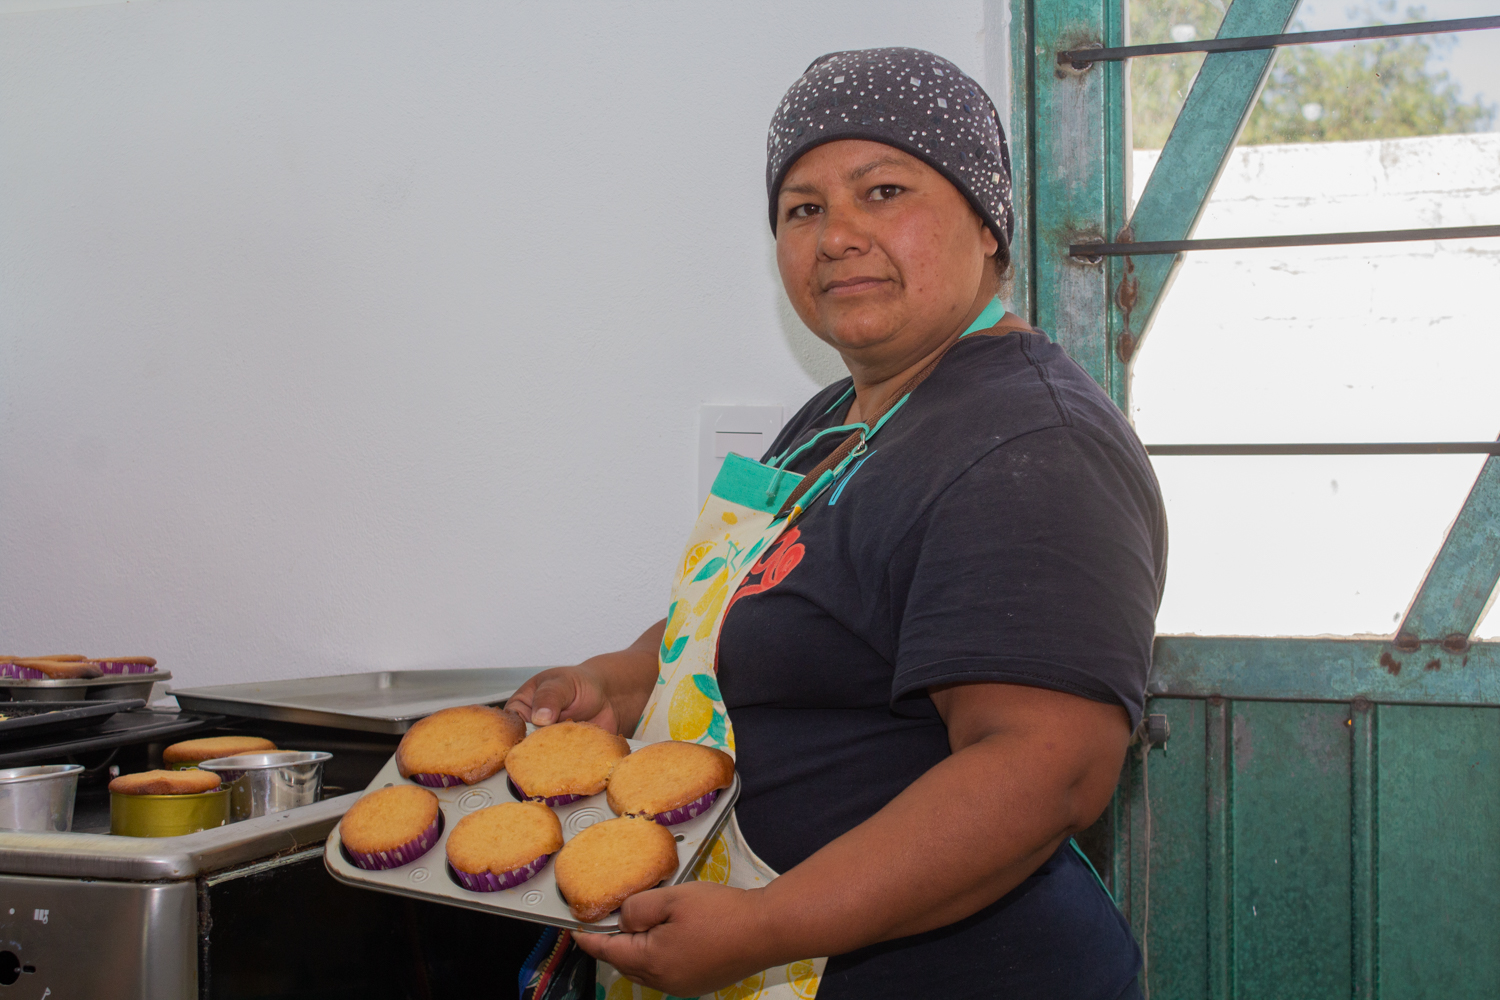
pixel 243 911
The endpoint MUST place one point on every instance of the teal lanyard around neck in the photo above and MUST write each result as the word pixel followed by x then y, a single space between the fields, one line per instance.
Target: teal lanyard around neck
pixel 991 315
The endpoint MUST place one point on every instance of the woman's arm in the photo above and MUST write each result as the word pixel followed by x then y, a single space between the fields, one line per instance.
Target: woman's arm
pixel 1030 768
pixel 609 690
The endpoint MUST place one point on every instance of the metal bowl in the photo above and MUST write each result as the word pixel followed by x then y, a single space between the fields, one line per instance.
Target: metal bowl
pixel 269 782
pixel 38 798
pixel 167 815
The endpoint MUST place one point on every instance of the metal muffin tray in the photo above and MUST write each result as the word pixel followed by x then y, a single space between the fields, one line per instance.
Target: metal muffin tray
pixel 537 899
pixel 110 687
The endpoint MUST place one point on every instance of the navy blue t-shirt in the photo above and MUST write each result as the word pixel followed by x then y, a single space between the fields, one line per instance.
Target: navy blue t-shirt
pixel 1005 525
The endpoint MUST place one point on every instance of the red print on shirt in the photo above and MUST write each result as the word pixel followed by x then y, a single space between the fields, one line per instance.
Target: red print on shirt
pixel 771 568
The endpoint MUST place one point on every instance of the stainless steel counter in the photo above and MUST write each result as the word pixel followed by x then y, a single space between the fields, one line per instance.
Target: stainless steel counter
pixel 153 859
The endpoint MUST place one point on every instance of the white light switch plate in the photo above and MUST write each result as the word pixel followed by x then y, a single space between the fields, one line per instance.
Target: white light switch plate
pixel 745 430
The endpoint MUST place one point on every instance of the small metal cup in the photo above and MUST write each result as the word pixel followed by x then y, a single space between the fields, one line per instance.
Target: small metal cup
pixel 270 782
pixel 38 798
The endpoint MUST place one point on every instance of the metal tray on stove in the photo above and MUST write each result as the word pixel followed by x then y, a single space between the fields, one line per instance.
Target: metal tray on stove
pixel 384 701
pixel 30 719
pixel 537 899
pixel 140 725
pixel 110 687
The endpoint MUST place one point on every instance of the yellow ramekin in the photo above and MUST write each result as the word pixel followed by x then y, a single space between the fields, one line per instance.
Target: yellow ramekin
pixel 167 815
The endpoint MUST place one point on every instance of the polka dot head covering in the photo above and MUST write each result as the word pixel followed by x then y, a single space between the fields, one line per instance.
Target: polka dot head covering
pixel 911 99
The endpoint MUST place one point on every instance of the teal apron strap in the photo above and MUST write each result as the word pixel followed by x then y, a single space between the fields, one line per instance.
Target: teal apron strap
pixel 854 445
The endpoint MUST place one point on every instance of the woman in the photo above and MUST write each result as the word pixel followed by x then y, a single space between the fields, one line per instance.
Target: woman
pixel 923 623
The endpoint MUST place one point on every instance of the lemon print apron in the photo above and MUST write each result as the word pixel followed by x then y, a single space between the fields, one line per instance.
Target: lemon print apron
pixel 747 511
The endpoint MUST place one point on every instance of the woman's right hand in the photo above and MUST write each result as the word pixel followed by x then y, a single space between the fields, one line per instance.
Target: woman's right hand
pixel 609 690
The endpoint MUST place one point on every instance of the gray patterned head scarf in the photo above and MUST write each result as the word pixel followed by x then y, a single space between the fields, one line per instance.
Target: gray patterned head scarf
pixel 913 100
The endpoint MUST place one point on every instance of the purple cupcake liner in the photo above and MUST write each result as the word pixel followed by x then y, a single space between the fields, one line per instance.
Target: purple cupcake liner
pixel 119 667
pixel 490 882
pixel 408 852
pixel 437 780
pixel 21 673
pixel 684 813
pixel 552 800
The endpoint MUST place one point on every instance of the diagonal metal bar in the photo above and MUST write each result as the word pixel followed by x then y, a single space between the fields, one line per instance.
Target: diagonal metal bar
pixel 1135 249
pixel 1079 58
pixel 1462 578
pixel 1212 117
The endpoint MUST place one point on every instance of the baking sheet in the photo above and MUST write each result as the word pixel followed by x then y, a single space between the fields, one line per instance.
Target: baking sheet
pixel 384 701
pixel 537 899
pixel 110 687
pixel 30 719
pixel 141 725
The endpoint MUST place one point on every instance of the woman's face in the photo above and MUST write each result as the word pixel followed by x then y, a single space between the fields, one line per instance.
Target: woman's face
pixel 879 253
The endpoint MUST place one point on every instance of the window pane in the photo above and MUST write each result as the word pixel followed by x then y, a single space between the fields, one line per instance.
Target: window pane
pixel 1384 342
pixel 1313 545
pixel 1375 342
pixel 1373 89
pixel 1159 84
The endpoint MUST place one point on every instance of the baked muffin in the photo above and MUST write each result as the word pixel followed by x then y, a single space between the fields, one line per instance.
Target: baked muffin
pixel 52 670
pixel 126 664
pixel 503 846
pixel 670 782
pixel 190 752
pixel 189 782
pixel 458 745
pixel 611 861
pixel 391 827
pixel 564 762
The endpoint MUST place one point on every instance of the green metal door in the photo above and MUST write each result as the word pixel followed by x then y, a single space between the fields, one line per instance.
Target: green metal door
pixel 1324 820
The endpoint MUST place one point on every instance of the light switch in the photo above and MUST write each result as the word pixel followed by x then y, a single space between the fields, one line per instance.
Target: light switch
pixel 744 430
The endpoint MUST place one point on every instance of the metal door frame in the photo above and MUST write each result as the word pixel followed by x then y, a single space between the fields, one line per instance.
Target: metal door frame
pixel 1071 155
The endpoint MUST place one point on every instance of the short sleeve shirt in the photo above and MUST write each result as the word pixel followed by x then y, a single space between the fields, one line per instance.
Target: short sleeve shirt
pixel 1004 525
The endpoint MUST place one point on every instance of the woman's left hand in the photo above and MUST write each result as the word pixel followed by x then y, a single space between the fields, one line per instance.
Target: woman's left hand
pixel 687 939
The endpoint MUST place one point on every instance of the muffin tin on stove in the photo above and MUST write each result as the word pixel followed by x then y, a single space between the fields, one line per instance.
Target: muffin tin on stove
pixel 538 898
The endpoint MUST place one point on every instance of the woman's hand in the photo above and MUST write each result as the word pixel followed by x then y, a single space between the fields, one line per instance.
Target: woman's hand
pixel 686 940
pixel 609 690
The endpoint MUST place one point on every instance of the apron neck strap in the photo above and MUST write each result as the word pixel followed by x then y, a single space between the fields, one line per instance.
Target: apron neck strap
pixel 858 438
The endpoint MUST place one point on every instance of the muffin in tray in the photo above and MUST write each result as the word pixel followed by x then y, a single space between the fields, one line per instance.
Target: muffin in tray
pixel 564 762
pixel 391 827
pixel 458 745
pixel 503 846
pixel 188 782
pixel 48 669
pixel 126 664
pixel 610 862
pixel 191 752
pixel 670 782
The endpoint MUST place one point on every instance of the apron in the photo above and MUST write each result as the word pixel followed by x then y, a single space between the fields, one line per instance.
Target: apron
pixel 747 523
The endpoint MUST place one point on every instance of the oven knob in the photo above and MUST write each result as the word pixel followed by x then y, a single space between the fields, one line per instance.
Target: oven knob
pixel 10 968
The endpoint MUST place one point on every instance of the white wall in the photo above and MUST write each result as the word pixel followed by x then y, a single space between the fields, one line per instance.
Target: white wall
pixel 1378 342
pixel 355 335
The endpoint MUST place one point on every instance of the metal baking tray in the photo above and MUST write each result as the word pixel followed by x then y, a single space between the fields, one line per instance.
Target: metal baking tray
pixel 30 719
pixel 537 899
pixel 110 687
pixel 151 859
pixel 141 725
pixel 385 701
